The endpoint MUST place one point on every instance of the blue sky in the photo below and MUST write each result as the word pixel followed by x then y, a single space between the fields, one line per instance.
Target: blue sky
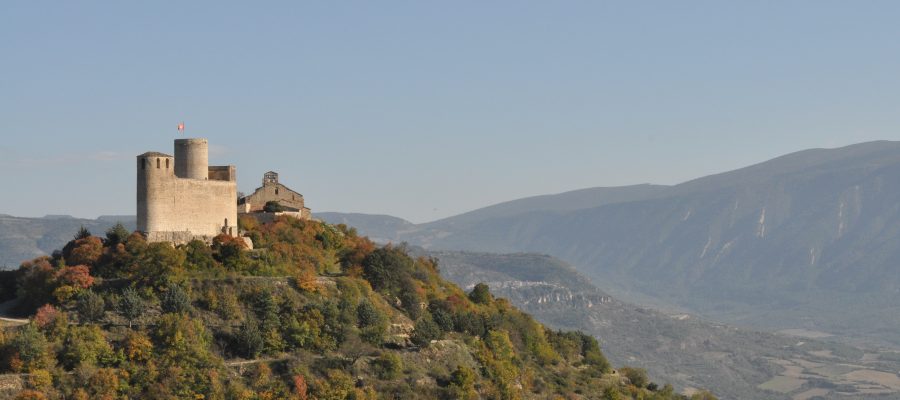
pixel 424 109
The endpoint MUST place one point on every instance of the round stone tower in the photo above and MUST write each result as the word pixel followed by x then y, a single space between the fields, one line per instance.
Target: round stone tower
pixel 192 158
pixel 153 170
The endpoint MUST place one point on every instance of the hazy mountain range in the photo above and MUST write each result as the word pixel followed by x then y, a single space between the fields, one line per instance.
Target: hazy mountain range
pixel 26 238
pixel 809 240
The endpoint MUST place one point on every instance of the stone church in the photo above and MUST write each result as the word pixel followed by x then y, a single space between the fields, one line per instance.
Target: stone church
pixel 271 190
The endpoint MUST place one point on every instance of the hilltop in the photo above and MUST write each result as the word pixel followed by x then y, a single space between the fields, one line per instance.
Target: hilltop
pixel 315 311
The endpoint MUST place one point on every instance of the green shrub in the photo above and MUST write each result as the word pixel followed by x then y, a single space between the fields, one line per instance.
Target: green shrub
pixel 387 366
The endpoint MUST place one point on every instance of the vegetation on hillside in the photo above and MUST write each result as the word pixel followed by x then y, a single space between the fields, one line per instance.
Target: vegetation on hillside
pixel 314 312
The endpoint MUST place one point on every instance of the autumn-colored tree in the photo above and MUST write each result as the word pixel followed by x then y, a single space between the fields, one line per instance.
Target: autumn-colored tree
pixel 137 346
pixel 30 395
pixel 45 316
pixel 36 282
pixel 85 251
pixel 300 387
pixel 78 276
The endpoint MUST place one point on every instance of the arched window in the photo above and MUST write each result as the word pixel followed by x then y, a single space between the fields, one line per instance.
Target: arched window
pixel 276 190
pixel 157 163
pixel 167 163
pixel 226 221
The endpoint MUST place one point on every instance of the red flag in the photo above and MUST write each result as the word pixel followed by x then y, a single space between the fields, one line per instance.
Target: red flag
pixel 181 127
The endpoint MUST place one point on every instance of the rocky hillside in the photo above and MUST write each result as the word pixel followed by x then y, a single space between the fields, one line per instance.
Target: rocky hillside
pixel 807 241
pixel 675 347
pixel 313 312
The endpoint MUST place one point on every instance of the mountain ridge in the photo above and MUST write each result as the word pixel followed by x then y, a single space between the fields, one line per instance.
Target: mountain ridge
pixel 804 239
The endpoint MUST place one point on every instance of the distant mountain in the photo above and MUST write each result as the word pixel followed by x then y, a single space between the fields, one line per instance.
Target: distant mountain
pixel 382 228
pixel 25 238
pixel 809 240
pixel 688 352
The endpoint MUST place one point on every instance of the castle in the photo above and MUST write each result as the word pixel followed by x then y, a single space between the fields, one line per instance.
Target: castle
pixel 182 198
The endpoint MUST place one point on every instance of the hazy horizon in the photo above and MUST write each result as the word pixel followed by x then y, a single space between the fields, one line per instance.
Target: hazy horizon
pixel 424 111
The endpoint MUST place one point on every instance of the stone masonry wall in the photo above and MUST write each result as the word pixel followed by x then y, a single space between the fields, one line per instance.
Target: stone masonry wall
pixel 191 205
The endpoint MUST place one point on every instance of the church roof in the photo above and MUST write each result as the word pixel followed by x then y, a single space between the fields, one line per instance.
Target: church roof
pixel 154 154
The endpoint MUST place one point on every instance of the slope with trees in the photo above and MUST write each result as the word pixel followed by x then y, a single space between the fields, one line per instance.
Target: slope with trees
pixel 314 312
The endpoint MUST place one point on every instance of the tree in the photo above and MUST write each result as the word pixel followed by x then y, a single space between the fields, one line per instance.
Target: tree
pixel 175 299
pixel 117 234
pixel 84 251
pixel 131 305
pixel 481 294
pixel 387 366
pixel 45 316
pixel 250 341
pixel 78 276
pixel 273 206
pixel 32 350
pixel 387 267
pixel 372 323
pixel 637 376
pixel 462 384
pixel 35 282
pixel 85 345
pixel 300 387
pixel 83 233
pixel 425 331
pixel 138 346
pixel 90 306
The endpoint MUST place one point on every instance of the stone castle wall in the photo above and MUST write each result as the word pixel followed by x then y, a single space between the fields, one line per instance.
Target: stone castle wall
pixel 177 209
